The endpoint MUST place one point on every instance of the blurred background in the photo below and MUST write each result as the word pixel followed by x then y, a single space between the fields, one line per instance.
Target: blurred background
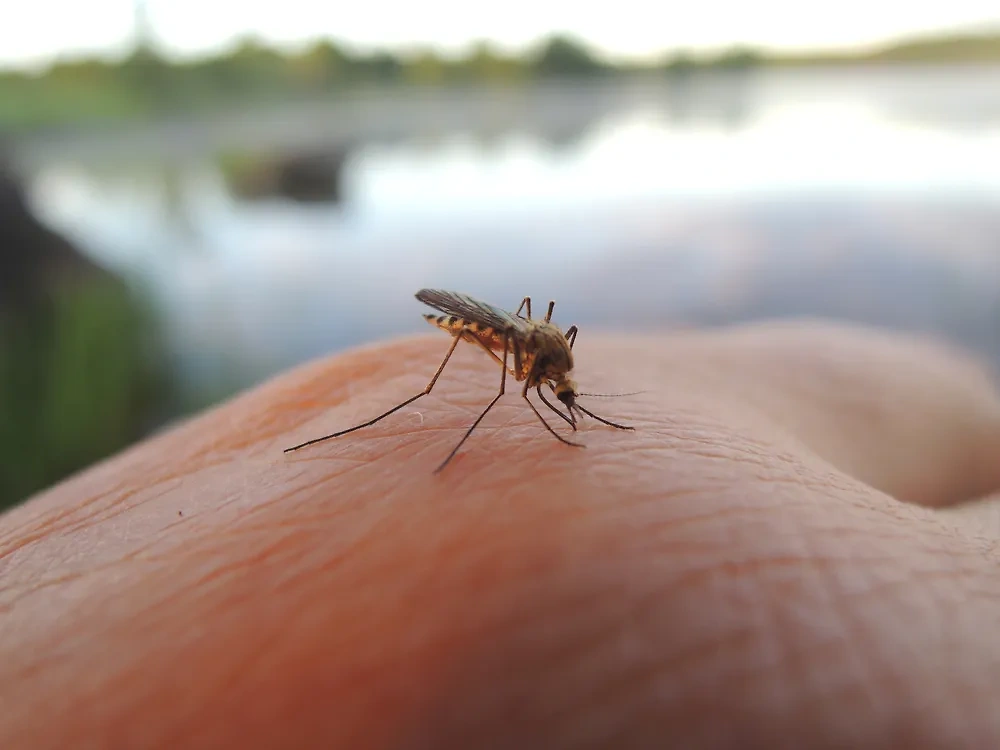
pixel 195 196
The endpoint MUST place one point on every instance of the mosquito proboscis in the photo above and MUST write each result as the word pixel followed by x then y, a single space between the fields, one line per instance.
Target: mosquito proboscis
pixel 542 355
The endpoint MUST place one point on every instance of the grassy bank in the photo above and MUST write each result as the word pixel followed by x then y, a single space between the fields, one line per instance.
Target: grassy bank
pixel 79 380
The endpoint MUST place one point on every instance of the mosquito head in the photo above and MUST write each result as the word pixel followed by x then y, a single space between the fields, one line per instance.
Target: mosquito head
pixel 565 390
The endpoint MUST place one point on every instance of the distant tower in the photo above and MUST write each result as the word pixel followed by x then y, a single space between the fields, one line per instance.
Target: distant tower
pixel 143 30
pixel 147 69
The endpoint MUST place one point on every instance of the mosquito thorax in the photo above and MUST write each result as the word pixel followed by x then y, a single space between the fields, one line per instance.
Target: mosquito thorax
pixel 552 350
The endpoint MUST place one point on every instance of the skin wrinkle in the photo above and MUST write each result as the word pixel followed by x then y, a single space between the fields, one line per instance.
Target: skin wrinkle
pixel 22 538
pixel 508 609
pixel 663 668
pixel 572 654
pixel 166 603
pixel 174 448
pixel 763 456
pixel 874 352
pixel 307 573
pixel 601 694
pixel 119 508
pixel 65 521
pixel 137 554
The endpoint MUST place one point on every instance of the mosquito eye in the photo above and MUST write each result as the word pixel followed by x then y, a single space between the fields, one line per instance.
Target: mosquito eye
pixel 566 397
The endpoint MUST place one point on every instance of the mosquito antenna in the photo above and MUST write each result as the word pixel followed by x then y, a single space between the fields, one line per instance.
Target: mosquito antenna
pixel 611 395
pixel 602 419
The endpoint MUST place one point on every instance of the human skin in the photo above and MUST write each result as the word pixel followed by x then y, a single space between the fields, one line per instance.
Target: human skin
pixel 783 554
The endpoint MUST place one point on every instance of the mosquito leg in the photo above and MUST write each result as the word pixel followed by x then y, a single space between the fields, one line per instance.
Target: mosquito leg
pixel 491 353
pixel 571 335
pixel 518 363
pixel 569 420
pixel 548 315
pixel 424 392
pixel 503 384
pixel 525 303
pixel 548 427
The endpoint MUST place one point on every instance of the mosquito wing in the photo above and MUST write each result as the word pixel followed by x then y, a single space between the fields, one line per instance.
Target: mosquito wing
pixel 472 310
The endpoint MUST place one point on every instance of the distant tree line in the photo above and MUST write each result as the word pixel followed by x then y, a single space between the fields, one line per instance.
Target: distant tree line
pixel 146 83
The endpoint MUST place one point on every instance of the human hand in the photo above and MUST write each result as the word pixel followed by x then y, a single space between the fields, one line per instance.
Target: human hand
pixel 782 554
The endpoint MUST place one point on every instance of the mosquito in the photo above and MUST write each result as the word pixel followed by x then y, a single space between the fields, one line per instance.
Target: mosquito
pixel 542 355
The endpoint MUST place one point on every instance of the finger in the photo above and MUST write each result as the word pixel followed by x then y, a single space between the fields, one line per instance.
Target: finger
pixel 911 417
pixel 634 590
pixel 980 517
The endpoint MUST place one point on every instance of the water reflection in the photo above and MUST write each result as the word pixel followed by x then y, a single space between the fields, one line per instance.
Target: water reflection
pixel 865 195
pixel 729 99
pixel 311 176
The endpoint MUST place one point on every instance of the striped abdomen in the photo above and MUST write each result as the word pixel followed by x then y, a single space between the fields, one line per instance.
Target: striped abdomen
pixel 489 337
pixel 453 325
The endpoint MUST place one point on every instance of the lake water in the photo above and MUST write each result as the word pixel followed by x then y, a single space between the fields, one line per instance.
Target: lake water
pixel 869 195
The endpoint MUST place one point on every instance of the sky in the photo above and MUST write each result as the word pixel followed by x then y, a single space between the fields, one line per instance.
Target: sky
pixel 42 30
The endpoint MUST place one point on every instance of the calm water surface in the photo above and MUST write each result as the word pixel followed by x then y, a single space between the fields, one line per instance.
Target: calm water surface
pixel 868 195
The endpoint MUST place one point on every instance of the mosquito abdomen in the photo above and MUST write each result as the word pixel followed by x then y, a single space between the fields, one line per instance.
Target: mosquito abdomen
pixel 454 324
pixel 449 323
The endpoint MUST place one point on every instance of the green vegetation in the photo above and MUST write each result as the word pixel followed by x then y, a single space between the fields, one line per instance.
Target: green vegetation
pixel 146 85
pixel 78 381
pixel 964 48
pixel 940 50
